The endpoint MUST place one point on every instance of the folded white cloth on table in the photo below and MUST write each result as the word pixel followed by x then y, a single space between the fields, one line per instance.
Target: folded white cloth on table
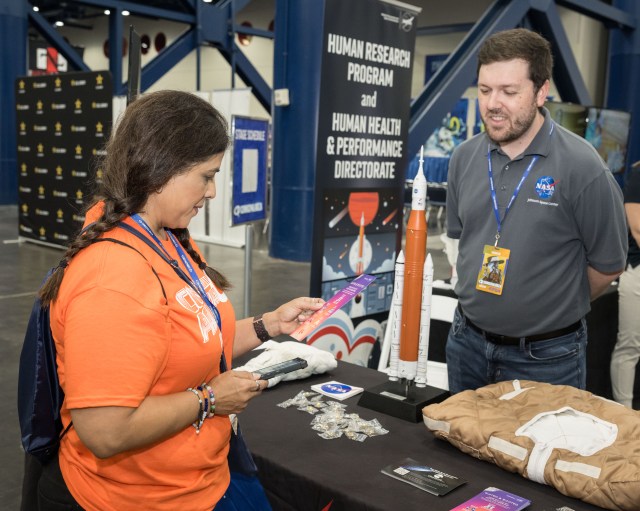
pixel 318 361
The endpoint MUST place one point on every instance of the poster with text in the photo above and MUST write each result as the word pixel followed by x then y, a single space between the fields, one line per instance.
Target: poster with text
pixel 365 94
pixel 63 123
pixel 249 148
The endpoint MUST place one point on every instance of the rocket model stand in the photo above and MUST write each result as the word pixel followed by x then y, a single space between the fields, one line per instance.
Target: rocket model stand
pixel 407 392
pixel 400 400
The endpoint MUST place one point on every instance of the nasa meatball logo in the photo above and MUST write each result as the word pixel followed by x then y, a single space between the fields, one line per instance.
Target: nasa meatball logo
pixel 545 186
pixel 336 388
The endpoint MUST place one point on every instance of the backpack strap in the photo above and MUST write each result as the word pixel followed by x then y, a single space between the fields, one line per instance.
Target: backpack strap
pixel 113 240
pixel 171 262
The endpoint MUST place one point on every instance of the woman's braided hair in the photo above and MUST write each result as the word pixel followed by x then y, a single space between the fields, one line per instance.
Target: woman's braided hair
pixel 159 136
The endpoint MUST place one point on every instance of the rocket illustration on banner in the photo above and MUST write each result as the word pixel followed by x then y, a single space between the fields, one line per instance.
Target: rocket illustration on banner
pixel 410 314
pixel 360 263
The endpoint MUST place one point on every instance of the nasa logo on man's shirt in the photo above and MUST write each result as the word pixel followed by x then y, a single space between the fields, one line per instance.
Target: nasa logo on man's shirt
pixel 545 186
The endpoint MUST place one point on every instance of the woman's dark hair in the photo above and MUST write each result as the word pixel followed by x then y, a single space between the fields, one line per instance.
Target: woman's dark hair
pixel 159 136
pixel 519 43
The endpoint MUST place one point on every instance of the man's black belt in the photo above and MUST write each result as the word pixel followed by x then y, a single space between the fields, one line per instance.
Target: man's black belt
pixel 505 340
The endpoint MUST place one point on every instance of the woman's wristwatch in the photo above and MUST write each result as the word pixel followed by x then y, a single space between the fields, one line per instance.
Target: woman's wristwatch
pixel 260 329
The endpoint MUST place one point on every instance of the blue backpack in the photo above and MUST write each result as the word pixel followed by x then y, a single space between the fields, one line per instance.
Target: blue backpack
pixel 39 394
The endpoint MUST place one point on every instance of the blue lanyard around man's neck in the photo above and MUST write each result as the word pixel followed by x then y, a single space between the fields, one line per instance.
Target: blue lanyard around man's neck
pixel 492 188
pixel 494 199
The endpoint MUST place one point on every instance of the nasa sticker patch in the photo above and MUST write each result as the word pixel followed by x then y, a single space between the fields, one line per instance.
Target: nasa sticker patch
pixel 336 390
pixel 545 186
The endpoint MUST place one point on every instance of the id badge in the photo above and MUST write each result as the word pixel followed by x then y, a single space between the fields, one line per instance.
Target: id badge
pixel 493 269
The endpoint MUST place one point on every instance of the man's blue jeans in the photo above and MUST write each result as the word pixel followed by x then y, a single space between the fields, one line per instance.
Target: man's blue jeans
pixel 474 362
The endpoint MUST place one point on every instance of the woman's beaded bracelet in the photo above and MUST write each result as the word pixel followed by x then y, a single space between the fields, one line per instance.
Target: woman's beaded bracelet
pixel 212 400
pixel 205 407
pixel 202 412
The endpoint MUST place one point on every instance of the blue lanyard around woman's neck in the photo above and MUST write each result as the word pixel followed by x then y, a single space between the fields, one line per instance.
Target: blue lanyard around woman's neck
pixel 194 280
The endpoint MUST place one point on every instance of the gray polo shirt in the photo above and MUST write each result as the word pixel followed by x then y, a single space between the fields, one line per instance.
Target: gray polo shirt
pixel 568 215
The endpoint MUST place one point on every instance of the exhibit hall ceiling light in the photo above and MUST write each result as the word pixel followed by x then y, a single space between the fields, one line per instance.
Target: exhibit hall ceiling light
pixel 78 14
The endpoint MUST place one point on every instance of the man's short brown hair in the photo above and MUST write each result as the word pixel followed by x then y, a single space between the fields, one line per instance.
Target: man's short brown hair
pixel 519 43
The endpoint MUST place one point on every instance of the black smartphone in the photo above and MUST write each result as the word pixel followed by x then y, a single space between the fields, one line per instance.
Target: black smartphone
pixel 281 368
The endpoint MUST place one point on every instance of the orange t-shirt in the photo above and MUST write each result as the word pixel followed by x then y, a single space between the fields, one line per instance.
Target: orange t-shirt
pixel 119 341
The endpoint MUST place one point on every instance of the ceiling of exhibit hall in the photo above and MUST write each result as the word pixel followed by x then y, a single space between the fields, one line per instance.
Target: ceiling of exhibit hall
pixel 79 14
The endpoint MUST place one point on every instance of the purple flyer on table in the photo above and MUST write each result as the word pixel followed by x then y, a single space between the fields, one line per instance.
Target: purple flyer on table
pixel 493 499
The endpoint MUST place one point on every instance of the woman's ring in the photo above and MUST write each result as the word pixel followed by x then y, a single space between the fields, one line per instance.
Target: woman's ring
pixel 257 385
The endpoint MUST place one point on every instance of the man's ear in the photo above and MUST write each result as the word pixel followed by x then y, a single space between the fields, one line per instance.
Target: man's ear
pixel 542 94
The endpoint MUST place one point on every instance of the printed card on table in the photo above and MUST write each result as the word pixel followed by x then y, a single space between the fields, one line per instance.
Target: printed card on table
pixel 421 476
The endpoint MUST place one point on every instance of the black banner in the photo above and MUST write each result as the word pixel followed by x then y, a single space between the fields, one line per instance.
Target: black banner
pixel 63 123
pixel 365 94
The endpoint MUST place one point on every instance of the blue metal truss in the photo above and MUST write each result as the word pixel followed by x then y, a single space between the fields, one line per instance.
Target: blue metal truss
pixel 249 74
pixel 443 29
pixel 209 24
pixel 566 74
pixel 612 17
pixel 57 41
pixel 168 58
pixel 145 10
pixel 458 72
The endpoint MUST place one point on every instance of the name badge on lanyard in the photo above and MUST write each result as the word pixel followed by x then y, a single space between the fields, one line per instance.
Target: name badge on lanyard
pixel 493 270
pixel 495 259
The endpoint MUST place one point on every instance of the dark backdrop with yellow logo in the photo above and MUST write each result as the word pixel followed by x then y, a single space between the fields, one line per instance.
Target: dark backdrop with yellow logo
pixel 63 123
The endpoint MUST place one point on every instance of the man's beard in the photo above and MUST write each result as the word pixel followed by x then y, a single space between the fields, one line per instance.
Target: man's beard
pixel 512 133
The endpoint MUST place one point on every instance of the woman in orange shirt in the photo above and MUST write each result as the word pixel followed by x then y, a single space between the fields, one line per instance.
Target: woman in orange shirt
pixel 139 347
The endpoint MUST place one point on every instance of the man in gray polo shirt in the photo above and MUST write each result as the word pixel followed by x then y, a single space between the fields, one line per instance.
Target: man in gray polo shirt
pixel 541 226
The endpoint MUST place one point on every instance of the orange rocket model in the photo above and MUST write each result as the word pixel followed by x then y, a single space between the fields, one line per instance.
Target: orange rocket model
pixel 415 252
